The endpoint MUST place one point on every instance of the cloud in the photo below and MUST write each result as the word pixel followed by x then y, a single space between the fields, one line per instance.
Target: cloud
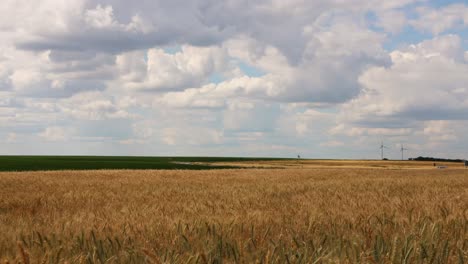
pixel 215 95
pixel 440 20
pixel 332 144
pixel 191 136
pixel 249 116
pixel 314 79
pixel 337 50
pixel 11 138
pixel 88 45
pixel 264 76
pixel 426 81
pixel 157 70
pixel 47 75
pixel 100 17
pixel 392 21
pixel 442 76
pixel 114 28
pixel 440 130
pixel 421 97
pixel 96 106
pixel 56 134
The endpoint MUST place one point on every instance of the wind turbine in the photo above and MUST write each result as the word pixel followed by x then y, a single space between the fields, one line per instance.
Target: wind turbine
pixel 402 149
pixel 382 147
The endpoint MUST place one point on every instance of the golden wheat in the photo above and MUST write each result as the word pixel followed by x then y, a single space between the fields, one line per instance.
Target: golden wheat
pixel 325 215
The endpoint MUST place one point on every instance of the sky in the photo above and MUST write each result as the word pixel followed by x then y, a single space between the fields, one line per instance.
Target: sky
pixel 268 78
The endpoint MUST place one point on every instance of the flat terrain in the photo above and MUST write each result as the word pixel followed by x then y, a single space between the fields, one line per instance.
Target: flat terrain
pixel 41 163
pixel 327 164
pixel 303 212
pixel 48 163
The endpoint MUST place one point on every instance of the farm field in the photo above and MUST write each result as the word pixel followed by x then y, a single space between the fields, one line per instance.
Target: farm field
pixel 326 164
pixel 48 163
pixel 41 163
pixel 287 212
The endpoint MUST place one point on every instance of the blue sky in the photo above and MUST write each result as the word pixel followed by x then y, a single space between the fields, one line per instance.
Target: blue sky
pixel 323 79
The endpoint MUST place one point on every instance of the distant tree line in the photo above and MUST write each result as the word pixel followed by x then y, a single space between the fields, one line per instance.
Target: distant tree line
pixel 435 159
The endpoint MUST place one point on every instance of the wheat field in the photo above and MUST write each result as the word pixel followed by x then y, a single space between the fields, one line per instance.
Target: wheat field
pixel 292 215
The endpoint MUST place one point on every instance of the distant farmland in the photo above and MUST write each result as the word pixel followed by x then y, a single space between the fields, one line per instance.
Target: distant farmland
pixel 46 163
pixel 306 212
pixel 41 163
